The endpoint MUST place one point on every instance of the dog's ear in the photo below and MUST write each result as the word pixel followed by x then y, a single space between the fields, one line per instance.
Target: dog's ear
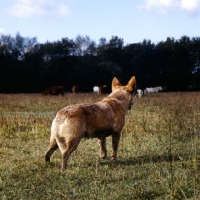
pixel 115 83
pixel 131 86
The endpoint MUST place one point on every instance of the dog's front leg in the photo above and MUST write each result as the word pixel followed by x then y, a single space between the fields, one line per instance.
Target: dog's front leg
pixel 102 145
pixel 115 143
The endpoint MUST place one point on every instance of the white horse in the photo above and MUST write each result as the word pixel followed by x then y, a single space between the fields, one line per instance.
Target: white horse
pixel 156 89
pixel 96 89
pixel 147 90
pixel 139 93
pixel 153 89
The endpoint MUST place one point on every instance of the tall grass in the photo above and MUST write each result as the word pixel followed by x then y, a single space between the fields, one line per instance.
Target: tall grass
pixel 158 158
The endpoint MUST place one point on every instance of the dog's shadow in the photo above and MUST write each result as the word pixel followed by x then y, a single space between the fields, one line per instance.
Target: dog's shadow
pixel 142 160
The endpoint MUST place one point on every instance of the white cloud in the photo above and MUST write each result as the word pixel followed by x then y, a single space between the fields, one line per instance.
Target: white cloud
pixel 190 5
pixel 2 31
pixel 166 6
pixel 62 9
pixel 158 3
pixel 27 8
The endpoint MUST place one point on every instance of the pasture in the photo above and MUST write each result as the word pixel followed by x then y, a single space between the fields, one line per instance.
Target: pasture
pixel 158 156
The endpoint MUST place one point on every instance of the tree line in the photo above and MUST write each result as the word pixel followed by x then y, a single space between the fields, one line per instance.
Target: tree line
pixel 29 67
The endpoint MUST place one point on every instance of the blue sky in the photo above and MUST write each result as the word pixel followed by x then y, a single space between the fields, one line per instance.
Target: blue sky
pixel 132 20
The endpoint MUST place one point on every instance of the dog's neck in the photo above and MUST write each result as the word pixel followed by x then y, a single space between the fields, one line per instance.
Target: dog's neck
pixel 120 100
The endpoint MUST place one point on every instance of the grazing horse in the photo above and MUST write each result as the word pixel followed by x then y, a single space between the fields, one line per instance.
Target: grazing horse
pixel 96 89
pixel 147 90
pixel 153 89
pixel 139 93
pixel 54 90
pixel 75 89
pixel 102 89
pixel 156 89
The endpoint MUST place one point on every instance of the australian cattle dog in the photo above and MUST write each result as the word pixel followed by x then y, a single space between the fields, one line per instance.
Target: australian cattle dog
pixel 97 120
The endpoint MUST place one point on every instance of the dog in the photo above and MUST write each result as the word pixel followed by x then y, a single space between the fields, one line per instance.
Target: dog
pixel 98 120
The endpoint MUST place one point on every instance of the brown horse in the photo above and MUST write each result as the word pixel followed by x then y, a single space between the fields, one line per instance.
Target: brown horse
pixel 75 89
pixel 54 90
pixel 102 89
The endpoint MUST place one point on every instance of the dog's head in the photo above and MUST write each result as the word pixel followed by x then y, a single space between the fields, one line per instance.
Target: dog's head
pixel 124 93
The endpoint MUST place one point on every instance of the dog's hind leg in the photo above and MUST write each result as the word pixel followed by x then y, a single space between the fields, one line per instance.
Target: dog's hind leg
pixel 53 143
pixel 102 145
pixel 52 147
pixel 115 143
pixel 70 146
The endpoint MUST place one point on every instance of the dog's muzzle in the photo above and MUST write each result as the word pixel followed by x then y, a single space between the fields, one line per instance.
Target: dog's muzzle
pixel 131 103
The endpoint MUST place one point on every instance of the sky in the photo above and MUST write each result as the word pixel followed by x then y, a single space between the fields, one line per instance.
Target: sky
pixel 131 20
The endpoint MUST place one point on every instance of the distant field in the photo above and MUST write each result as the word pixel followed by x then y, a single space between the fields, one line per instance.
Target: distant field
pixel 158 157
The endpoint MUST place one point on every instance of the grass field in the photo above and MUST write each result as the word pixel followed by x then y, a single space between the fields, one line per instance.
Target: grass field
pixel 158 157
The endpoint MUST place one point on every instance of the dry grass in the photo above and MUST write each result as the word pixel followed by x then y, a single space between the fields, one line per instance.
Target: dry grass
pixel 159 153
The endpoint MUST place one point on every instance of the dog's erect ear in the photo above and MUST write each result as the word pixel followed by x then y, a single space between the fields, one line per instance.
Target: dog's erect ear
pixel 115 83
pixel 131 86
